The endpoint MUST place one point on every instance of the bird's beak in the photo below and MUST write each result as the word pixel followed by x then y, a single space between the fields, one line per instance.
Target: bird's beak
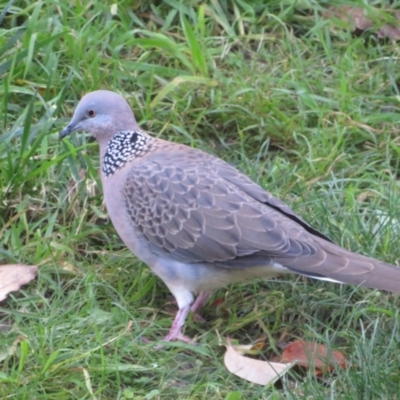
pixel 71 127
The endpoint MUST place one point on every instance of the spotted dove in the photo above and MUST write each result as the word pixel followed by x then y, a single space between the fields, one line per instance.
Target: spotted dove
pixel 198 222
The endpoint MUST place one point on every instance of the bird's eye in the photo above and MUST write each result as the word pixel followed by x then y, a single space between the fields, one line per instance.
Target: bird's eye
pixel 91 113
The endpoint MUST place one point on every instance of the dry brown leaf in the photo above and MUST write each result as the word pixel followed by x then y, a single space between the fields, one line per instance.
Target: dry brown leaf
pixel 251 349
pixel 389 31
pixel 218 302
pixel 10 351
pixel 314 355
pixel 357 18
pixel 71 268
pixel 255 371
pixel 13 276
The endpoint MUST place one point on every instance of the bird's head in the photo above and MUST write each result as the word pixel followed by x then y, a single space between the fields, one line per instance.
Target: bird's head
pixel 102 114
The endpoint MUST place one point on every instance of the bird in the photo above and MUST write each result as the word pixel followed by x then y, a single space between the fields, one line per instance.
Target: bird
pixel 198 222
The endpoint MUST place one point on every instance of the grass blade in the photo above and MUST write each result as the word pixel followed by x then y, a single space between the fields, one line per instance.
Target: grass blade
pixel 195 49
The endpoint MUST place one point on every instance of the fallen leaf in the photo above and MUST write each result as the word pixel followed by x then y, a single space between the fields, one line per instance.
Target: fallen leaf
pixel 358 18
pixel 88 382
pixel 313 355
pixel 255 371
pixel 13 276
pixel 10 351
pixel 68 267
pixel 114 9
pixel 218 302
pixel 252 349
pixel 355 16
pixel 388 31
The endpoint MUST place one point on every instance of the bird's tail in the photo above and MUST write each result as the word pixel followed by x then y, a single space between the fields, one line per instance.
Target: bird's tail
pixel 333 263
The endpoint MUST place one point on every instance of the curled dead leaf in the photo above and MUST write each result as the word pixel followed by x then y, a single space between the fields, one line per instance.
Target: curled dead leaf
pixel 255 371
pixel 313 355
pixel 358 19
pixel 10 351
pixel 13 276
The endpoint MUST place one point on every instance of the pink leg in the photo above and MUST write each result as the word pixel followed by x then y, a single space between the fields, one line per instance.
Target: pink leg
pixel 175 333
pixel 199 302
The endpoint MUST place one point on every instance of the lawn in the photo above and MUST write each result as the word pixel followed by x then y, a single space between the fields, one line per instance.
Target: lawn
pixel 291 97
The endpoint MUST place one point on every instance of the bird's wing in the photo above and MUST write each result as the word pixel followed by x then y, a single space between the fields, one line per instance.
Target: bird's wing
pixel 197 214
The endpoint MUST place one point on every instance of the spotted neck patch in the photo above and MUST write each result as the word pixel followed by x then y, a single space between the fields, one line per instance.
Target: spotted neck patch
pixel 123 147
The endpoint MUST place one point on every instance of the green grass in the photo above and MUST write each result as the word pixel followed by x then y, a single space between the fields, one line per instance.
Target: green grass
pixel 294 100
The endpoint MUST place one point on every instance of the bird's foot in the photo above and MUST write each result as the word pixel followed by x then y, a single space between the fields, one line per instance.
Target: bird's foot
pixel 174 336
pixel 197 304
pixel 175 333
